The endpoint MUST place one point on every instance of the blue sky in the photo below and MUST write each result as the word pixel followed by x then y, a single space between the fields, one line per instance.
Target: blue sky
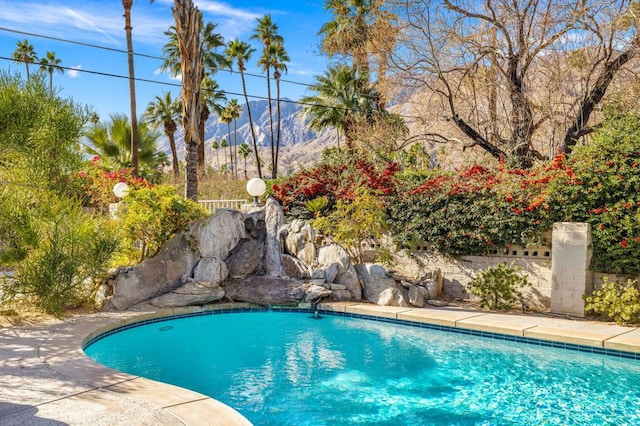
pixel 100 22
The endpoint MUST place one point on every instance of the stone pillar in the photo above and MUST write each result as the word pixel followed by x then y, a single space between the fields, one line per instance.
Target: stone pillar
pixel 274 219
pixel 570 259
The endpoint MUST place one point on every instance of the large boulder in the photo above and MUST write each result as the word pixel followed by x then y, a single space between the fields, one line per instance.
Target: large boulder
pixel 376 281
pixel 265 290
pixel 192 293
pixel 334 253
pixel 274 219
pixel 294 268
pixel 245 258
pixel 210 269
pixel 299 240
pixel 349 278
pixel 338 268
pixel 217 235
pixel 154 276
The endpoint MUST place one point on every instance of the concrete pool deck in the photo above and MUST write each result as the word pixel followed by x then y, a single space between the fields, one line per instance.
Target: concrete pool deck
pixel 46 379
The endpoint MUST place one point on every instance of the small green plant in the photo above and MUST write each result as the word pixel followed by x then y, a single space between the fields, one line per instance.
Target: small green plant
pixel 152 216
pixel 617 302
pixel 498 286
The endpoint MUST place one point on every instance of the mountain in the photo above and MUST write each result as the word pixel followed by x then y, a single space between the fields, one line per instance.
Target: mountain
pixel 299 145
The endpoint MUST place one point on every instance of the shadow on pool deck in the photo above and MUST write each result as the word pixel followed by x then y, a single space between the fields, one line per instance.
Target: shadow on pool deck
pixel 28 414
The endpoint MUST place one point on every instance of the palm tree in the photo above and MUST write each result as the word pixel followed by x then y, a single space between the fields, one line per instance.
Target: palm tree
pixel 241 52
pixel 225 117
pixel 342 99
pixel 112 142
pixel 234 109
pixel 215 146
pixel 279 58
pixel 127 4
pixel 164 111
pixel 267 33
pixel 244 151
pixel 188 22
pixel 50 64
pixel 25 53
pixel 223 145
pixel 211 94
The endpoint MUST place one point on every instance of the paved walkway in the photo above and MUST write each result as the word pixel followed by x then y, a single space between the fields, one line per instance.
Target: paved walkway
pixel 45 378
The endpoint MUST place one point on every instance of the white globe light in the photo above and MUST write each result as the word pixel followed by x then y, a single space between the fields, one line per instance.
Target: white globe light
pixel 120 189
pixel 256 187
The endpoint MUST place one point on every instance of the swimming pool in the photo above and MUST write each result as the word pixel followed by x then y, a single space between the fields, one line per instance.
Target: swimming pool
pixel 281 368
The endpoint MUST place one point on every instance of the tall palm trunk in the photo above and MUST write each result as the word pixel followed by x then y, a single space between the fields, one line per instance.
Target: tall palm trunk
pixel 245 168
pixel 229 139
pixel 235 148
pixel 274 165
pixel 204 116
pixel 253 132
pixel 279 120
pixel 187 18
pixel 170 130
pixel 127 4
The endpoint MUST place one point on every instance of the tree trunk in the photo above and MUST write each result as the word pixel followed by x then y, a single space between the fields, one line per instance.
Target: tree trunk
pixel 174 155
pixel 229 141
pixel 253 133
pixel 132 86
pixel 187 18
pixel 279 121
pixel 274 171
pixel 204 116
pixel 579 127
pixel 235 148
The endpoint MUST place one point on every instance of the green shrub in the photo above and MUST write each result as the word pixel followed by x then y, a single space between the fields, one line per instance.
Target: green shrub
pixel 152 216
pixel 472 211
pixel 601 186
pixel 354 221
pixel 617 302
pixel 69 247
pixel 498 287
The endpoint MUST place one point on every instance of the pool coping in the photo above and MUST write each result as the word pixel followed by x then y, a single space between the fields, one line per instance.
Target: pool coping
pixel 63 353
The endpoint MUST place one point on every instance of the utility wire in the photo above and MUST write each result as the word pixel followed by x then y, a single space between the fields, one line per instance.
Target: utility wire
pixel 111 49
pixel 178 85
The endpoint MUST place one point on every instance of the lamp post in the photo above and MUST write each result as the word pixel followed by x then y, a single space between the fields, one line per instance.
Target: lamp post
pixel 120 189
pixel 256 187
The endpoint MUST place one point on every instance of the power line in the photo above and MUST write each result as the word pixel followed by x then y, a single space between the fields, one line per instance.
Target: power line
pixel 177 85
pixel 111 49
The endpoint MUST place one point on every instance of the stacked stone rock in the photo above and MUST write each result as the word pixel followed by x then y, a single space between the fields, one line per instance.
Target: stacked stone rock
pixel 256 258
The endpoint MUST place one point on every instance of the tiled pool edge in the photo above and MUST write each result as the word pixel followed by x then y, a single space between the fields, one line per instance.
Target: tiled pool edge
pixel 396 315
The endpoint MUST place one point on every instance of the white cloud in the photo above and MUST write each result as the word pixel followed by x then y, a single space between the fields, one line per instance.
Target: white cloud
pixel 86 21
pixel 74 72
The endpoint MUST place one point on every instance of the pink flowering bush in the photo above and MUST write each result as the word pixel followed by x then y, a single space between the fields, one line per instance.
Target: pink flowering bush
pixel 93 185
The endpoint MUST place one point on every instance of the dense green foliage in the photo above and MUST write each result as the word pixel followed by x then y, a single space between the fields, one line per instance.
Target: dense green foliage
pixel 152 216
pixel 601 186
pixel 39 134
pixel 65 247
pixel 45 236
pixel 617 302
pixel 497 287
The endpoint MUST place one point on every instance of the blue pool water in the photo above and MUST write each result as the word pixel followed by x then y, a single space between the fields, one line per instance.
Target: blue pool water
pixel 280 368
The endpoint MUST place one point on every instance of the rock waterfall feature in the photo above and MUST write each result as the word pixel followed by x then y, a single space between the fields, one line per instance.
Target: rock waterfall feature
pixel 255 257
